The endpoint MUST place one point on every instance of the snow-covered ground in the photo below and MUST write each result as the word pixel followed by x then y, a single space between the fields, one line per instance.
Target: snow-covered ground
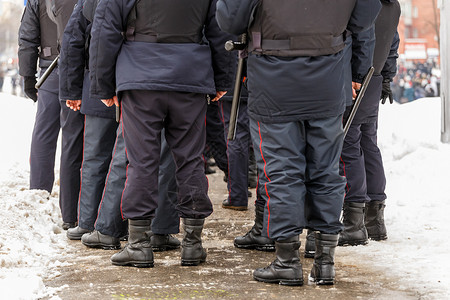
pixel 417 213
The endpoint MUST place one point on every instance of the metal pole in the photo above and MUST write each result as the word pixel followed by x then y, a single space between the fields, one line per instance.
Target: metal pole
pixel 445 70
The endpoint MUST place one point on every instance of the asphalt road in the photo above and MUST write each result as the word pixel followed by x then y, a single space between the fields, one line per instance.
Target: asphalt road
pixel 227 273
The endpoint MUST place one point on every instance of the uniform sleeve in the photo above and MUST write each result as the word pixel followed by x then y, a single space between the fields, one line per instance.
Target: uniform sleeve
pixel 72 59
pixel 234 16
pixel 363 15
pixel 390 67
pixel 361 25
pixel 110 21
pixel 29 40
pixel 363 46
pixel 223 61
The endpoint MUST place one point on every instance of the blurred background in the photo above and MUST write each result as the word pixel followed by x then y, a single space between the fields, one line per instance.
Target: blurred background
pixel 10 15
pixel 418 65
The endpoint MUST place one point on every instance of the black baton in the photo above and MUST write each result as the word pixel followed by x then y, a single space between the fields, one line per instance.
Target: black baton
pixel 47 73
pixel 230 46
pixel 358 99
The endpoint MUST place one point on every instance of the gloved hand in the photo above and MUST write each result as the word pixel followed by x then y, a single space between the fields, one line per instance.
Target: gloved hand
pixel 29 82
pixel 386 92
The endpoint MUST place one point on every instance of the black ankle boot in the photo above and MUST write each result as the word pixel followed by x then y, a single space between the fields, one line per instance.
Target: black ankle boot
pixel 374 220
pixel 323 272
pixel 253 238
pixel 286 269
pixel 138 252
pixel 354 232
pixel 192 252
pixel 163 242
pixel 310 245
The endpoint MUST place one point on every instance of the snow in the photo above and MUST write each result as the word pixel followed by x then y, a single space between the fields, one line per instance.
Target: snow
pixel 417 167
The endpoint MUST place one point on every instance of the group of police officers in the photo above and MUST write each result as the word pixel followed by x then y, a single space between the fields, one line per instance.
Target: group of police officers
pixel 161 63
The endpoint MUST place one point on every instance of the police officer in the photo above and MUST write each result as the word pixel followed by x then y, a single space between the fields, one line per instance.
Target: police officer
pixel 363 43
pixel 165 88
pixel 100 124
pixel 72 123
pixel 38 39
pixel 97 206
pixel 295 80
pixel 361 162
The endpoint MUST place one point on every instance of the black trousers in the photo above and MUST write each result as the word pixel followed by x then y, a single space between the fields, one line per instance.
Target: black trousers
pixel 362 164
pixel 299 175
pixel 72 127
pixel 45 136
pixel 99 138
pixel 182 115
pixel 110 220
pixel 238 154
pixel 361 161
pixel 215 140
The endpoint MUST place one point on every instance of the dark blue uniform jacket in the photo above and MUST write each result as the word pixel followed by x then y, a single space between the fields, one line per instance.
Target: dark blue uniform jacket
pixel 117 64
pixel 74 77
pixel 285 89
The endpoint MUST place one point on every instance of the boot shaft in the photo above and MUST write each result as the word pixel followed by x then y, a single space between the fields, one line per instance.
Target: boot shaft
pixel 353 214
pixel 325 247
pixel 310 245
pixel 192 252
pixel 259 219
pixel 374 220
pixel 287 250
pixel 354 232
pixel 192 231
pixel 323 271
pixel 139 231
pixel 374 213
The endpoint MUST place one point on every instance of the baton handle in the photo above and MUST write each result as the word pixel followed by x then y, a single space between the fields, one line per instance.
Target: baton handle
pixel 47 73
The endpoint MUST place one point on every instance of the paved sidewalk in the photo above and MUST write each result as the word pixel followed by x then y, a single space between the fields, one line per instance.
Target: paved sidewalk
pixel 227 273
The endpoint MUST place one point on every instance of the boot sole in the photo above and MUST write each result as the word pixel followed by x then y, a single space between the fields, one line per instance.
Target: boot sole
pixel 298 282
pixel 266 248
pixel 74 237
pixel 239 208
pixel 309 254
pixel 191 262
pixel 323 281
pixel 134 264
pixel 378 237
pixel 353 243
pixel 102 246
pixel 164 248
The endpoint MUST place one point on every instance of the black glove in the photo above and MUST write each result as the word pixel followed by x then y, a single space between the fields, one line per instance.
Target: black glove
pixel 29 82
pixel 386 92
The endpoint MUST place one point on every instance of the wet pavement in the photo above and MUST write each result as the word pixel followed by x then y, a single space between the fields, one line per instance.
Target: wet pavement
pixel 227 273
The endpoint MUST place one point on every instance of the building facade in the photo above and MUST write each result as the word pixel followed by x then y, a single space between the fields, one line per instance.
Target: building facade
pixel 419 30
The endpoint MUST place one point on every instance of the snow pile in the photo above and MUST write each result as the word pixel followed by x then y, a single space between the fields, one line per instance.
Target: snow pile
pixel 417 167
pixel 32 241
